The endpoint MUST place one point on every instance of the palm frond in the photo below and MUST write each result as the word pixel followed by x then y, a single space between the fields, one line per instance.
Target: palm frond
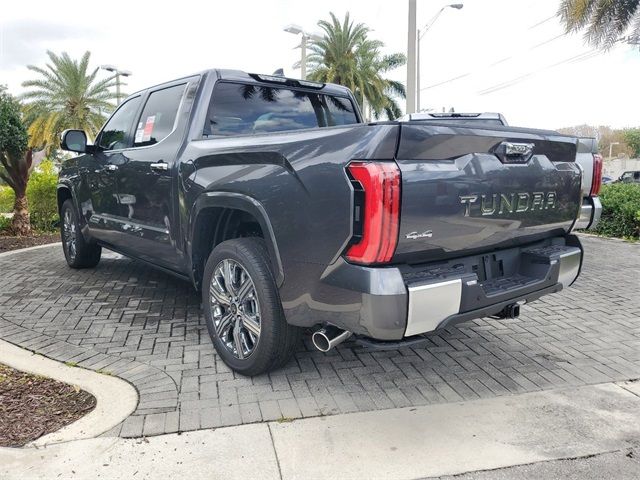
pixel 347 56
pixel 65 94
pixel 604 22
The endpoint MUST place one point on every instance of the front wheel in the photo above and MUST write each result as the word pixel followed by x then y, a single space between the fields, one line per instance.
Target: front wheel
pixel 242 308
pixel 78 252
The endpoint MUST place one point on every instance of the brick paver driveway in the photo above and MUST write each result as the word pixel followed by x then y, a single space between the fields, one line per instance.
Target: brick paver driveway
pixel 129 320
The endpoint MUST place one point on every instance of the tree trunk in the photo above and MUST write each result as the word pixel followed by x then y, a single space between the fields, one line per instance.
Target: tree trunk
pixel 21 225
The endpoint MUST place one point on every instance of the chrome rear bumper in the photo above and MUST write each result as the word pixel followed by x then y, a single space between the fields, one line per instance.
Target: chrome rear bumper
pixel 430 304
pixel 436 304
pixel 590 212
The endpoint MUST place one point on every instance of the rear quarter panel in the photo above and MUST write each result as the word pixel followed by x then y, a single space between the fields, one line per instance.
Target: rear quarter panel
pixel 299 179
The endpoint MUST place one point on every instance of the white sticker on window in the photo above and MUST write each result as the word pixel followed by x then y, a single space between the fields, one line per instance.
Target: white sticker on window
pixel 148 128
pixel 139 133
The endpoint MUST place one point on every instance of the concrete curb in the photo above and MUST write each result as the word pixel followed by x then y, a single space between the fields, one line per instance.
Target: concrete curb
pixel 396 444
pixel 115 398
pixel 20 250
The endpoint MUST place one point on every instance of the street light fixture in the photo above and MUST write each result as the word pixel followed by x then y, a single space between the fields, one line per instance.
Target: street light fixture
pixel 119 73
pixel 297 30
pixel 413 53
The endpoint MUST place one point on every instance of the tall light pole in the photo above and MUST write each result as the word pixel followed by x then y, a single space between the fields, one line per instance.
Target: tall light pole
pixel 421 34
pixel 412 40
pixel 297 30
pixel 119 73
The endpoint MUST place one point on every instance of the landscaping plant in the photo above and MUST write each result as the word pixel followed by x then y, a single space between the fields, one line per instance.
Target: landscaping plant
pixel 346 55
pixel 67 93
pixel 41 197
pixel 6 199
pixel 15 159
pixel 620 211
pixel 41 193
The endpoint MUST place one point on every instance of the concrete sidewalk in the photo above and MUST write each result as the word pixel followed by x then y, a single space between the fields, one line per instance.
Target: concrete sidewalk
pixel 405 443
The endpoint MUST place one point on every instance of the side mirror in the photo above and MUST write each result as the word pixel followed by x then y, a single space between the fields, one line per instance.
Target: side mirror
pixel 73 141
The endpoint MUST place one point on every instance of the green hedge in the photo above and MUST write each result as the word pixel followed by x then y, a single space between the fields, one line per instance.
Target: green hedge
pixel 5 223
pixel 6 199
pixel 620 210
pixel 41 195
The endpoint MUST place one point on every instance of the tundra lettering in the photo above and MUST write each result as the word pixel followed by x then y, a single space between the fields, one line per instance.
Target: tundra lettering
pixel 519 202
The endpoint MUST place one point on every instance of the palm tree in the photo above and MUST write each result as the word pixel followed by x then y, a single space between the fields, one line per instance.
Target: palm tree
pixel 605 21
pixel 345 55
pixel 65 96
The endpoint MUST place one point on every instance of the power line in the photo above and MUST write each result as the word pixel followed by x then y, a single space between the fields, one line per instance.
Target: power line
pixel 498 62
pixel 573 59
pixel 542 22
pixel 447 81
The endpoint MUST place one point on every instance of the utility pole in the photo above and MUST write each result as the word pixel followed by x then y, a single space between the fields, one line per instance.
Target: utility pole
pixel 118 73
pixel 303 57
pixel 412 44
pixel 418 72
pixel 611 149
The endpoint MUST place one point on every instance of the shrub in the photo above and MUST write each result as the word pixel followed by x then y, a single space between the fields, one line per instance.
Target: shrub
pixel 41 194
pixel 5 224
pixel 6 199
pixel 620 210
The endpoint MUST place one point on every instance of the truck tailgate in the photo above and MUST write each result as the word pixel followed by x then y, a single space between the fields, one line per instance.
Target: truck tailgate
pixel 468 189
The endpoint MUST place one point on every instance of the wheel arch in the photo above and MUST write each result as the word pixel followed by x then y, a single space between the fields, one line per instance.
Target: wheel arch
pixel 208 213
pixel 63 193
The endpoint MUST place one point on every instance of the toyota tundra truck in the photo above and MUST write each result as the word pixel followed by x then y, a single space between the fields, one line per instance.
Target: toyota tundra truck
pixel 288 212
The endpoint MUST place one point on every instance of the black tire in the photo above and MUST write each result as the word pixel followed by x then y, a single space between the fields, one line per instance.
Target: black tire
pixel 276 340
pixel 78 252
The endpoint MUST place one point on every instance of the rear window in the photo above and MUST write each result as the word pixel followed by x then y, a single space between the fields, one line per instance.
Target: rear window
pixel 158 116
pixel 238 109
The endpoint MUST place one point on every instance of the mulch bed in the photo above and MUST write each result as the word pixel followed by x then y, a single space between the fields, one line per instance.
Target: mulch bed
pixel 32 406
pixel 13 243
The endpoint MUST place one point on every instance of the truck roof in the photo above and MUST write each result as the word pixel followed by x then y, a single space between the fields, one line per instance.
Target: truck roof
pixel 241 76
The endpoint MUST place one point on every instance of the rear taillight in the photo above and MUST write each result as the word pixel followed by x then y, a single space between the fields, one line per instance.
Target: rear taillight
pixel 376 213
pixel 596 182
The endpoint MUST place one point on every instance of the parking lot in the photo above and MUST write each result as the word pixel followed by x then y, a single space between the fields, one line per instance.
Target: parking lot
pixel 126 319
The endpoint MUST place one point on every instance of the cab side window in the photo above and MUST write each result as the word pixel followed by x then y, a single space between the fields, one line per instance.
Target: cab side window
pixel 158 116
pixel 114 134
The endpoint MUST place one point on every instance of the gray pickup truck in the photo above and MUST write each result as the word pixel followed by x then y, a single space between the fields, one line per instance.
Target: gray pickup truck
pixel 288 212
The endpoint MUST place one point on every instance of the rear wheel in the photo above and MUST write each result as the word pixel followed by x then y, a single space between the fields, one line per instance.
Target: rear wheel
pixel 243 310
pixel 78 252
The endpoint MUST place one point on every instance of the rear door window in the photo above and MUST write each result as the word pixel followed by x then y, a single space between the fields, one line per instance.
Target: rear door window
pixel 240 109
pixel 158 116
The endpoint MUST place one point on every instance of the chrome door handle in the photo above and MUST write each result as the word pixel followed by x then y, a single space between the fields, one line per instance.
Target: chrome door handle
pixel 159 167
pixel 110 167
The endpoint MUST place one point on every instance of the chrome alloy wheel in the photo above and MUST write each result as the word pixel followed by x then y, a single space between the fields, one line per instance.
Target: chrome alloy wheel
pixel 235 308
pixel 69 234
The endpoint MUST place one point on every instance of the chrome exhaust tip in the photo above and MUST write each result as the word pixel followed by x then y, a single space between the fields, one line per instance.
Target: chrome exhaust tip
pixel 328 337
